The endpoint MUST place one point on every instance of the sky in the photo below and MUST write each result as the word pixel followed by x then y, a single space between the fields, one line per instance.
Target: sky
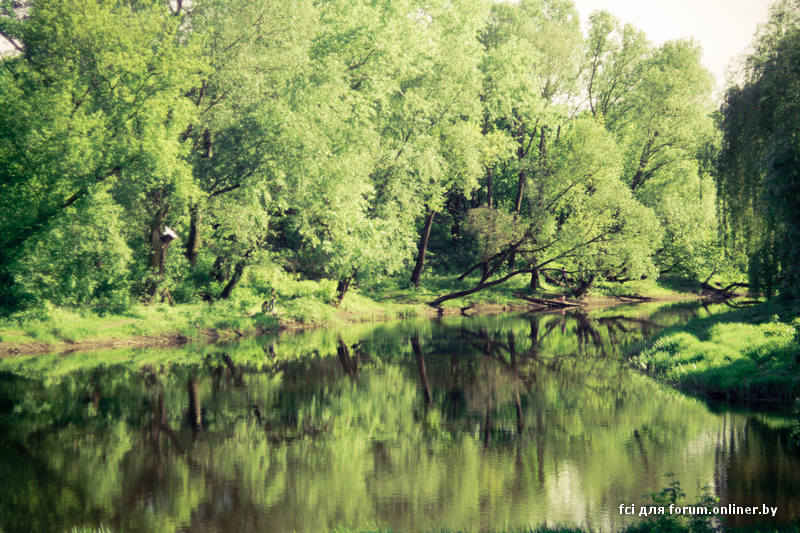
pixel 724 28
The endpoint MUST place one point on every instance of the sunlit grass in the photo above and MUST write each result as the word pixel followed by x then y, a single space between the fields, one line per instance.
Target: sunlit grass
pixel 749 354
pixel 51 325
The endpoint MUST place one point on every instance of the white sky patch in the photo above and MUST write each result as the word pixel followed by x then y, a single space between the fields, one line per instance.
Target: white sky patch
pixel 724 28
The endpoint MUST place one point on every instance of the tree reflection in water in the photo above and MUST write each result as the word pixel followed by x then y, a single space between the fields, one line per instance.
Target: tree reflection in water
pixel 498 420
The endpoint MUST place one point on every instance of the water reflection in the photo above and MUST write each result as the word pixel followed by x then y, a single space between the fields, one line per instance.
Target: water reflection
pixel 494 421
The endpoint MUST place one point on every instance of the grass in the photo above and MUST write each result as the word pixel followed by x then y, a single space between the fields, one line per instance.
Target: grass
pixel 665 286
pixel 52 325
pixel 751 354
pixel 298 302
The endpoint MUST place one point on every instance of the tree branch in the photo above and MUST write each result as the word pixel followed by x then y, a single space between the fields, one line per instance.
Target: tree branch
pixel 11 41
pixel 467 292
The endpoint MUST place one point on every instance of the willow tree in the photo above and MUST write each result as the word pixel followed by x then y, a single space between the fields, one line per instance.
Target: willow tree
pixel 758 180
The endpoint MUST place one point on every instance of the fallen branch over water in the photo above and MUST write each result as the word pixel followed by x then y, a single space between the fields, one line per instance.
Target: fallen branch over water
pixel 637 298
pixel 550 304
pixel 720 293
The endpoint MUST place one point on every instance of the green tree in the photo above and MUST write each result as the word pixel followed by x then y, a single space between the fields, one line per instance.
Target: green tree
pixel 664 121
pixel 757 184
pixel 658 104
pixel 400 136
pixel 95 101
pixel 614 59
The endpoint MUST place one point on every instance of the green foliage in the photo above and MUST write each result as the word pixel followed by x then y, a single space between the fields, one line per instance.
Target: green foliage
pixel 672 494
pixel 310 311
pixel 317 138
pixel 81 258
pixel 758 185
pixel 94 105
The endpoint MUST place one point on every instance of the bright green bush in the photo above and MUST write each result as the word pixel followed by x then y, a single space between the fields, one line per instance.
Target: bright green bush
pixel 81 257
pixel 309 310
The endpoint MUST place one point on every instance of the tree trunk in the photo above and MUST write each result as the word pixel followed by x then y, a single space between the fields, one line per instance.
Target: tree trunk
pixel 488 273
pixel 584 286
pixel 534 280
pixel 472 269
pixel 156 263
pixel 238 270
pixel 481 263
pixel 423 246
pixel 467 292
pixel 455 229
pixel 485 274
pixel 542 166
pixel 341 289
pixel 155 250
pixel 489 199
pixel 423 375
pixel 220 270
pixel 639 178
pixel 520 191
pixel 158 250
pixel 193 244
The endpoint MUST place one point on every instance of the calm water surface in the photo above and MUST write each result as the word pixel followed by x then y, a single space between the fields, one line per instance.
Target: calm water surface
pixel 470 422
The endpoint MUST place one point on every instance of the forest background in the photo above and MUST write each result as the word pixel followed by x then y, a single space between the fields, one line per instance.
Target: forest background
pixel 155 151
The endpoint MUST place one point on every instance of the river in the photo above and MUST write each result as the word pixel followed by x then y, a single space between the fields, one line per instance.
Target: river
pixel 475 423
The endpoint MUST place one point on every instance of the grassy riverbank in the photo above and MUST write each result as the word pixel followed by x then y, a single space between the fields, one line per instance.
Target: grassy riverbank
pixel 750 354
pixel 300 304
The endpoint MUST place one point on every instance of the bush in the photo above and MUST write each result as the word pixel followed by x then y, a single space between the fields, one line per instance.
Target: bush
pixel 309 310
pixel 81 257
